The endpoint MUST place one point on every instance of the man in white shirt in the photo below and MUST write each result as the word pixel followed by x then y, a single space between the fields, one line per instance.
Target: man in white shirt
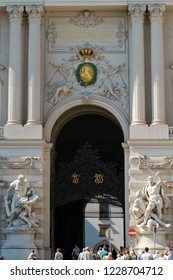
pixel 146 255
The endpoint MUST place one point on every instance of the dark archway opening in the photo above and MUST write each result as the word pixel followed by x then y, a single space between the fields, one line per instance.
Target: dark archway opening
pixel 102 134
pixel 69 226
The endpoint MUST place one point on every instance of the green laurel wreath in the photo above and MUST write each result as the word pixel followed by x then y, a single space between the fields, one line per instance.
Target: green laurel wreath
pixel 94 76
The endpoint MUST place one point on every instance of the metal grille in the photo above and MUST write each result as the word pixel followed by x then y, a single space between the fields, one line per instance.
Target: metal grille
pixel 87 177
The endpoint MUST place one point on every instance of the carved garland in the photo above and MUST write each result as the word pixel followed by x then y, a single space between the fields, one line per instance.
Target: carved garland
pixel 145 162
pixel 28 162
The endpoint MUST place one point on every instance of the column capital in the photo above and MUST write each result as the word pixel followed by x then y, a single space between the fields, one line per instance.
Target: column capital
pixel 34 12
pixel 15 12
pixel 156 11
pixel 137 12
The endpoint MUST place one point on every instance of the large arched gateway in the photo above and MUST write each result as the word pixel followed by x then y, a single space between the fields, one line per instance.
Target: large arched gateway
pixel 88 164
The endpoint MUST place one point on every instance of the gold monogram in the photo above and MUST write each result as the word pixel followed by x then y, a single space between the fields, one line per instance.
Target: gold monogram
pixel 98 178
pixel 75 178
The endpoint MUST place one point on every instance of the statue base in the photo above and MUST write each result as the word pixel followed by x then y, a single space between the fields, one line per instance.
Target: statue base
pixel 154 241
pixel 18 245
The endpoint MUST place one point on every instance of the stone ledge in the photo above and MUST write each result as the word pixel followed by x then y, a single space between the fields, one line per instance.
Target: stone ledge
pixel 23 132
pixel 149 132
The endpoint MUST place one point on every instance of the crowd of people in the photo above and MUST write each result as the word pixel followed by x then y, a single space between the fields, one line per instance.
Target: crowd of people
pixel 103 253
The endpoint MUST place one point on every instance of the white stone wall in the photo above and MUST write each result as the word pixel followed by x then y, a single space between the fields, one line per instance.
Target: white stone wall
pixel 27 159
pixel 93 223
pixel 146 160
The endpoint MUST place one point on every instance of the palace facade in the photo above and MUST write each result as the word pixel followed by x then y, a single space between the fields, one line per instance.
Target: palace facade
pixel 86 115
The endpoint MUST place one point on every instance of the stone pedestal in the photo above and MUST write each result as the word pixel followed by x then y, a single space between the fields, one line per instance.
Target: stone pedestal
pixel 154 241
pixel 18 245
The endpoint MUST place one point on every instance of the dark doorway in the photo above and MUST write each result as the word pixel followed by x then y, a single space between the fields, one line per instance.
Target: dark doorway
pixel 67 203
pixel 68 226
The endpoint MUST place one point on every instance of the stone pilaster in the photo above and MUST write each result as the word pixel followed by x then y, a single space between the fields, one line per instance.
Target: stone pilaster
pixel 46 192
pixel 34 64
pixel 136 13
pixel 157 64
pixel 2 79
pixel 127 192
pixel 15 65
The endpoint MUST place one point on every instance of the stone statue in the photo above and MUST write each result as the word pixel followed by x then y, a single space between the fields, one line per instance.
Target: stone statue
pixel 110 83
pixel 151 203
pixel 67 86
pixel 139 207
pixel 19 201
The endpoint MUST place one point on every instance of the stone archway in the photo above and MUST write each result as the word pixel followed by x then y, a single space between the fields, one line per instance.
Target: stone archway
pixel 69 198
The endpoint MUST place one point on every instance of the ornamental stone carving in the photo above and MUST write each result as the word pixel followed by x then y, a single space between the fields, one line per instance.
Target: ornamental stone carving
pixel 51 34
pixel 15 13
pixel 28 162
pixel 109 82
pixel 35 12
pixel 86 19
pixel 151 203
pixel 156 11
pixel 144 162
pixel 19 200
pixel 136 12
pixel 121 34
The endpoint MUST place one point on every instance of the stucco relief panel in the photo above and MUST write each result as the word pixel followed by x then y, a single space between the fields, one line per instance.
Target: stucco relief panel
pixel 86 26
pixel 95 39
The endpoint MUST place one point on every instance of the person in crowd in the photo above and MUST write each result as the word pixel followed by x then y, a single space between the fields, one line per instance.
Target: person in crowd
pixel 87 254
pixel 127 255
pixel 121 250
pixel 81 254
pixel 93 254
pixel 103 253
pixel 99 251
pixel 166 253
pixel 146 255
pixel 156 255
pixel 32 255
pixel 119 257
pixel 98 257
pixel 58 254
pixel 114 253
pixel 75 253
pixel 170 256
pixel 139 254
pixel 133 254
pixel 110 257
pixel 161 256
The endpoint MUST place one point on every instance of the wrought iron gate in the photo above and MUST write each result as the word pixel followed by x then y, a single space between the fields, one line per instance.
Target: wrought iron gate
pixel 86 177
